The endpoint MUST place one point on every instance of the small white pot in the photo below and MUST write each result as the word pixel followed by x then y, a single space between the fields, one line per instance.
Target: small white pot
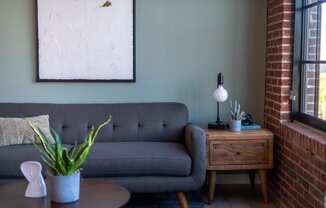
pixel 235 125
pixel 65 189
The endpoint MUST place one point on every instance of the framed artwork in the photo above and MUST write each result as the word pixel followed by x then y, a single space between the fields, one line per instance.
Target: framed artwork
pixel 86 40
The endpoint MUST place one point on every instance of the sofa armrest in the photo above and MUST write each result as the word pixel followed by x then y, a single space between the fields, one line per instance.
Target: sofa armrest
pixel 196 145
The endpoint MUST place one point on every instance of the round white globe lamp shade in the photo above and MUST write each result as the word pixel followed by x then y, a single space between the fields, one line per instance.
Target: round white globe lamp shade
pixel 220 94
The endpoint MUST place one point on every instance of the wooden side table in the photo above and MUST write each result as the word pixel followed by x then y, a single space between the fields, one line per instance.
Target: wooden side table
pixel 250 150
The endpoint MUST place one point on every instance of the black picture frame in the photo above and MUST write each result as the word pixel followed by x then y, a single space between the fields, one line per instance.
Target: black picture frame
pixel 133 80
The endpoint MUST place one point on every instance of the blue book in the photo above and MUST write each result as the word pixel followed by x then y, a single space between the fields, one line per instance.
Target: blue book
pixel 251 127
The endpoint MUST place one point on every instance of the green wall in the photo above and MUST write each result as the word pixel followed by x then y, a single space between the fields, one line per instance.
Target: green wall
pixel 181 45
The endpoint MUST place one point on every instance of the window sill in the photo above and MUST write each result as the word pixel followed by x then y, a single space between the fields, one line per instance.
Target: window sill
pixel 307 131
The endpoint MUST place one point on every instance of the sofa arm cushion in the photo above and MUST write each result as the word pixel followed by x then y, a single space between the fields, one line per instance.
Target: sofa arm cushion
pixel 196 144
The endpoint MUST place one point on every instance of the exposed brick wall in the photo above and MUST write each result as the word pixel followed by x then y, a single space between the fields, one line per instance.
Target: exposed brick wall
pixel 299 175
pixel 278 63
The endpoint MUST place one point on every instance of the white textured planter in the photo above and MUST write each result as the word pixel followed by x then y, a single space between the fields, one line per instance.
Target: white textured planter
pixel 65 189
pixel 235 125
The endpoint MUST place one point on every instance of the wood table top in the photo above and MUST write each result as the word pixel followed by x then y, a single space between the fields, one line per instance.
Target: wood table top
pixel 99 193
pixel 245 134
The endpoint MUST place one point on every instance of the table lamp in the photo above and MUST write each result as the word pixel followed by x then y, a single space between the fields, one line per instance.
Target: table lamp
pixel 220 96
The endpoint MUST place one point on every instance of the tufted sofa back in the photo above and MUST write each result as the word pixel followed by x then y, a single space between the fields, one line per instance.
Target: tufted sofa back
pixel 131 121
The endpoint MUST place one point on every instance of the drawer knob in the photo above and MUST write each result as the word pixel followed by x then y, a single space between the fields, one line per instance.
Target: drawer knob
pixel 238 153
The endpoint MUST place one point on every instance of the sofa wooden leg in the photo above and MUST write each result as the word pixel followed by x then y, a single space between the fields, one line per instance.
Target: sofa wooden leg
pixel 182 200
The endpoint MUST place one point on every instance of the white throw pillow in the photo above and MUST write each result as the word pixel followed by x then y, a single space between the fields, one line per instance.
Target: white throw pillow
pixel 14 131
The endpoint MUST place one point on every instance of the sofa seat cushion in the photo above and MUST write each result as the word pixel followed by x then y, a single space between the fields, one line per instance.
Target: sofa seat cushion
pixel 137 159
pixel 12 156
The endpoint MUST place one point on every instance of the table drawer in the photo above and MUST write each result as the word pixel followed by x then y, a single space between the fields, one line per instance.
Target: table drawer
pixel 238 152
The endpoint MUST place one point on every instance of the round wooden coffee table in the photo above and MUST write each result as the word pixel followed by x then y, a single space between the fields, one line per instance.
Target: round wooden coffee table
pixel 98 193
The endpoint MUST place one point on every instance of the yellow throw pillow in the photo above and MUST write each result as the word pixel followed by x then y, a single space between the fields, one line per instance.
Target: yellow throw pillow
pixel 14 131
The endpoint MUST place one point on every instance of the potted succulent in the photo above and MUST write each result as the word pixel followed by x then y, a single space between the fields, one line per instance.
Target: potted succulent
pixel 64 164
pixel 235 121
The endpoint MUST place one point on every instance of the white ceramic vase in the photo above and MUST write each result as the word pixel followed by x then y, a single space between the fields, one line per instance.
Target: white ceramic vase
pixel 32 171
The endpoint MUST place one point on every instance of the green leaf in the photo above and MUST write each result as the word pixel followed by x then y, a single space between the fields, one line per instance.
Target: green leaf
pixel 56 136
pixel 82 158
pixel 80 148
pixel 97 130
pixel 73 150
pixel 45 144
pixel 42 152
pixel 50 165
pixel 60 164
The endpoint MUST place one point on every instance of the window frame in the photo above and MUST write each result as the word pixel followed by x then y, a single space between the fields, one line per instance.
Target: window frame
pixel 298 69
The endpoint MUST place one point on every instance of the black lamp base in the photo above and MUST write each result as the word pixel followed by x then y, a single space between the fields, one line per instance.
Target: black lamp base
pixel 218 125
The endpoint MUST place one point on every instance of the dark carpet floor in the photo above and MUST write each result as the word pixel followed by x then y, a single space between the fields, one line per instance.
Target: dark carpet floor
pixel 165 200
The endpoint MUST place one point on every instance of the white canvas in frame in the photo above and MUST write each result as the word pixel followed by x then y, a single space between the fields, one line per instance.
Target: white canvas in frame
pixel 82 40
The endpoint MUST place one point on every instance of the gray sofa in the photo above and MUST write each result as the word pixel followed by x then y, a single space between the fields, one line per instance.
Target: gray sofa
pixel 149 147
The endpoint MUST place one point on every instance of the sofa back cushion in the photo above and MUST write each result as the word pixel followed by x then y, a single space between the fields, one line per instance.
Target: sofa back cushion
pixel 131 121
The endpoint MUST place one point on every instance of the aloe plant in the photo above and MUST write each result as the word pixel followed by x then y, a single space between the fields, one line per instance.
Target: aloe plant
pixel 235 110
pixel 61 160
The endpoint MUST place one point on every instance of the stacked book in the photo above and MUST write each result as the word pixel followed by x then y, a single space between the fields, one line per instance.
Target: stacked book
pixel 251 127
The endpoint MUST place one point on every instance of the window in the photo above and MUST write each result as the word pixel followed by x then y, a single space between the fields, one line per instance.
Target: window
pixel 309 76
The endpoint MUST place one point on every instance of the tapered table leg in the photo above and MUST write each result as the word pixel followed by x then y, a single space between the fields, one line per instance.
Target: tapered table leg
pixel 212 183
pixel 263 179
pixel 182 200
